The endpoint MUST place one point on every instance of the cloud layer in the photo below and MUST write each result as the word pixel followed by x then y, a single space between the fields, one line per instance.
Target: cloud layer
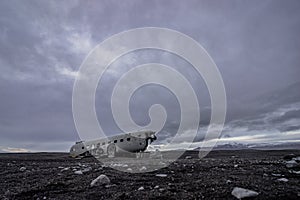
pixel 255 44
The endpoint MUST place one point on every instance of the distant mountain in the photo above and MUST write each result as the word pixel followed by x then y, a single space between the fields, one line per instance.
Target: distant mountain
pixel 259 146
pixel 280 146
pixel 231 146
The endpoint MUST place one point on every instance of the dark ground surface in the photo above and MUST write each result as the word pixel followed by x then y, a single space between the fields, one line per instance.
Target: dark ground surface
pixel 213 177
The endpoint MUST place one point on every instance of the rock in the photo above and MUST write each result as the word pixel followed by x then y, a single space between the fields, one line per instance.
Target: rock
pixel 292 164
pixel 65 169
pixel 228 181
pixel 156 187
pixel 22 169
pixel 235 166
pixel 86 169
pixel 141 188
pixel 297 159
pixel 129 169
pixel 161 175
pixel 294 172
pixel 143 168
pixel 100 180
pixel 277 175
pixel 283 180
pixel 188 157
pixel 242 193
pixel 79 172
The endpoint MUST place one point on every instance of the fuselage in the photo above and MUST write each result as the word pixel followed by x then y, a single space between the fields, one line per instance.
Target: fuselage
pixel 127 142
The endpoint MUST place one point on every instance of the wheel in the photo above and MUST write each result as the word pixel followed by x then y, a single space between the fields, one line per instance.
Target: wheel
pixel 111 150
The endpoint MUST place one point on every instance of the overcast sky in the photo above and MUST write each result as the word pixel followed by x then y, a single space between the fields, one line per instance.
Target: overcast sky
pixel 255 44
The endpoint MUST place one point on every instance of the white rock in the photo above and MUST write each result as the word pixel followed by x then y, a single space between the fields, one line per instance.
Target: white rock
pixel 188 157
pixel 235 166
pixel 143 168
pixel 65 169
pixel 141 188
pixel 278 175
pixel 79 172
pixel 228 181
pixel 86 169
pixel 283 180
pixel 297 158
pixel 156 187
pixel 129 169
pixel 22 169
pixel 294 172
pixel 161 175
pixel 242 193
pixel 100 180
pixel 292 164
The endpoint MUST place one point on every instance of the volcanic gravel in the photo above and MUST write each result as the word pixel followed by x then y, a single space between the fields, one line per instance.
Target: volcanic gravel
pixel 52 176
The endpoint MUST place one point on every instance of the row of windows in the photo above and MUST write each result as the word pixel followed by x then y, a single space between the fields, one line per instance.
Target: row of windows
pixel 103 143
pixel 121 140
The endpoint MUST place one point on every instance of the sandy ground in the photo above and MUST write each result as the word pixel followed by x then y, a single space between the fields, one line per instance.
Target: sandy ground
pixel 52 176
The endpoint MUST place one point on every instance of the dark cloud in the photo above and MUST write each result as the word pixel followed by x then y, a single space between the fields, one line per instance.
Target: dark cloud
pixel 255 45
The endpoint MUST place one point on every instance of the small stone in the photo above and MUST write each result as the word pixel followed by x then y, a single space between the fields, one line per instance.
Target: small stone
pixel 156 187
pixel 143 168
pixel 65 169
pixel 161 175
pixel 22 169
pixel 294 172
pixel 86 169
pixel 228 181
pixel 277 175
pixel 297 159
pixel 100 180
pixel 79 172
pixel 141 188
pixel 188 157
pixel 292 164
pixel 235 166
pixel 242 193
pixel 283 180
